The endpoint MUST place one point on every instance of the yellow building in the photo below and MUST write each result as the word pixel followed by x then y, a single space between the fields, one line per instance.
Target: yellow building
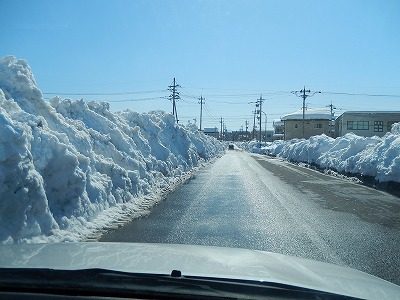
pixel 315 122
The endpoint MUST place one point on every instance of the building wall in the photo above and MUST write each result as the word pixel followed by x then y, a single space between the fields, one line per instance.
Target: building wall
pixel 366 123
pixel 294 128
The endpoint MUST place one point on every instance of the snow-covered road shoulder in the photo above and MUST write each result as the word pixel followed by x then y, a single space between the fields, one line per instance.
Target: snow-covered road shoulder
pixel 68 167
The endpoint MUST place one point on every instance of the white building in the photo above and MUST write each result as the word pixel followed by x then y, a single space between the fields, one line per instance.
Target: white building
pixel 366 123
pixel 279 129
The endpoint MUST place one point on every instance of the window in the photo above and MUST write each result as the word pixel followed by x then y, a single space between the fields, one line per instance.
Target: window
pixel 319 125
pixel 358 125
pixel 350 125
pixel 295 125
pixel 378 126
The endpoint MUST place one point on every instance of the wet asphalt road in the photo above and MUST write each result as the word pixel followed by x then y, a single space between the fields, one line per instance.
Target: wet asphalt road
pixel 250 201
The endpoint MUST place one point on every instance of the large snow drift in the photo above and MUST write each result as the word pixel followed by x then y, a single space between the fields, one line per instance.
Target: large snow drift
pixel 69 166
pixel 369 156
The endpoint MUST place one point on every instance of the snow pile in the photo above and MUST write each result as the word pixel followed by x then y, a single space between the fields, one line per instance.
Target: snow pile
pixel 254 146
pixel 65 164
pixel 368 156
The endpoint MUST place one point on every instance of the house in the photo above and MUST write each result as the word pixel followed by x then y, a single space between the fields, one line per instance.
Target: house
pixel 212 132
pixel 316 121
pixel 366 123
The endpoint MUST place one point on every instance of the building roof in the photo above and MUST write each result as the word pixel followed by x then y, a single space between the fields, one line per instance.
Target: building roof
pixel 211 130
pixel 309 114
pixel 371 112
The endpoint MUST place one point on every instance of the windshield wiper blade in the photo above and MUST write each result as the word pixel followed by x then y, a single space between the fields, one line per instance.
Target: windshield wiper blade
pixel 104 282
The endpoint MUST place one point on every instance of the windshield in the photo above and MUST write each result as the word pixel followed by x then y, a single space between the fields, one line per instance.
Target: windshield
pixel 263 125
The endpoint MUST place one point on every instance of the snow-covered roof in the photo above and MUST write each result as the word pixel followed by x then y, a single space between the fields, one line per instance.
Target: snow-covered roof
pixel 309 114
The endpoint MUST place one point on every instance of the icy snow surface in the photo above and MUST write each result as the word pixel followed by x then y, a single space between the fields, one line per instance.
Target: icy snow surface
pixel 67 168
pixel 368 156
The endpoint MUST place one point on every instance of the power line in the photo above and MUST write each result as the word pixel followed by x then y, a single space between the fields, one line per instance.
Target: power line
pixel 136 100
pixel 254 91
pixel 282 93
pixel 123 100
pixel 271 92
pixel 189 96
pixel 229 96
pixel 208 111
pixel 229 102
pixel 362 94
pixel 211 116
pixel 102 94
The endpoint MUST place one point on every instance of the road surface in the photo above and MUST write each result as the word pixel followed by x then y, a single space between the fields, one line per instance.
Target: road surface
pixel 255 202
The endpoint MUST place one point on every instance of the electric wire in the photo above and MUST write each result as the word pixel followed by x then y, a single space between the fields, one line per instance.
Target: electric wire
pixel 361 94
pixel 136 100
pixel 103 94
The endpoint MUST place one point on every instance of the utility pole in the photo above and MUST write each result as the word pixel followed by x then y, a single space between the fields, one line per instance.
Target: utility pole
pixel 259 105
pixel 254 125
pixel 257 112
pixel 225 132
pixel 304 94
pixel 201 109
pixel 247 127
pixel 265 129
pixel 265 126
pixel 332 107
pixel 174 97
pixel 221 133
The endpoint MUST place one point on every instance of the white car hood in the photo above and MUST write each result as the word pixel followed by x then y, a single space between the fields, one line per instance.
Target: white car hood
pixel 200 261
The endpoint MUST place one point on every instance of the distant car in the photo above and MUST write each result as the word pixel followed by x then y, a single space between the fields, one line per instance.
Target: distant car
pixel 231 147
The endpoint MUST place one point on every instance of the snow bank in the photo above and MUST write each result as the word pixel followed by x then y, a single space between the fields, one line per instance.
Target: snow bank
pixel 369 156
pixel 65 165
pixel 254 146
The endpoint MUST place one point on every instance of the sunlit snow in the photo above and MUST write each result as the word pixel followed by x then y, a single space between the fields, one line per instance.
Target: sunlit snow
pixel 67 167
pixel 378 157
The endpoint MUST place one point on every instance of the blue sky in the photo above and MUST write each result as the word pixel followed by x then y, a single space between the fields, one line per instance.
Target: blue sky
pixel 230 51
